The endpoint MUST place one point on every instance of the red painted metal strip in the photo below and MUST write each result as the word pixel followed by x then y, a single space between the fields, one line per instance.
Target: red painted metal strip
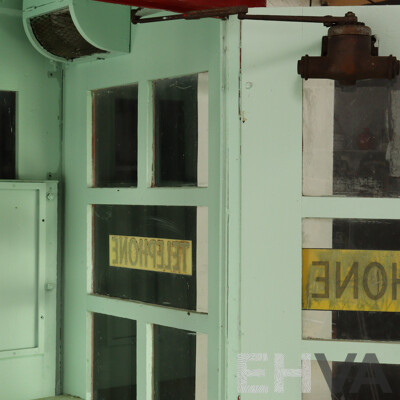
pixel 188 5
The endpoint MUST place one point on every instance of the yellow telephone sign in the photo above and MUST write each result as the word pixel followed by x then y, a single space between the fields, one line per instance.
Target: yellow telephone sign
pixel 151 254
pixel 352 280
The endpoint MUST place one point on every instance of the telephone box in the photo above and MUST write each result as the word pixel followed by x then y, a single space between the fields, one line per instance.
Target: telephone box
pixel 184 217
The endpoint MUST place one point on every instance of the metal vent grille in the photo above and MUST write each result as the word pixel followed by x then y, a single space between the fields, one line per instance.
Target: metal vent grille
pixel 56 32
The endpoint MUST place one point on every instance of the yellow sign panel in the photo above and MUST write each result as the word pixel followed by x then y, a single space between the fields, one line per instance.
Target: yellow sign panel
pixel 352 280
pixel 151 254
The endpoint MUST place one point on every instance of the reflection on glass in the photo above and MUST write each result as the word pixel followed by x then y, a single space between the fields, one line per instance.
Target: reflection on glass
pixel 154 254
pixel 371 279
pixel 352 139
pixel 7 137
pixel 115 116
pixel 366 380
pixel 181 131
pixel 353 2
pixel 180 364
pixel 114 358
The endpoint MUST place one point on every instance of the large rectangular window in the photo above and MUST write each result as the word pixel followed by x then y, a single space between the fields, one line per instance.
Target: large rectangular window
pixel 154 254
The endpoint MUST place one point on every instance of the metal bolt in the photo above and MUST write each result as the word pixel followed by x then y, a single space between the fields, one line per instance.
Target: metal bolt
pixel 249 85
pixel 50 196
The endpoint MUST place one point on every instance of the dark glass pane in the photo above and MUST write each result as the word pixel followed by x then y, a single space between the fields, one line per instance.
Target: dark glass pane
pixel 365 381
pixel 366 235
pixel 115 116
pixel 138 229
pixel 176 131
pixel 363 135
pixel 114 358
pixel 356 150
pixel 7 135
pixel 174 364
pixel 358 2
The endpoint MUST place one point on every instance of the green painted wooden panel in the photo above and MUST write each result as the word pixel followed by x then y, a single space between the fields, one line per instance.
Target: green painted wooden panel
pixel 28 344
pixel 231 125
pixel 11 4
pixel 19 287
pixel 271 195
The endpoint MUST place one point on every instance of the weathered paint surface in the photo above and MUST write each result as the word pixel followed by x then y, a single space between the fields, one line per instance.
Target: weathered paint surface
pixel 353 280
pixel 151 254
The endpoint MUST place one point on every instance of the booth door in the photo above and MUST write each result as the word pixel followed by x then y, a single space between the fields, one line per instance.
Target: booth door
pixel 28 277
pixel 144 189
pixel 320 218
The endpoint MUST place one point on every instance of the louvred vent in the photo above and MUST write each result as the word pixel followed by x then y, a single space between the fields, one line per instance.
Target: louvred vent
pixel 56 32
pixel 188 5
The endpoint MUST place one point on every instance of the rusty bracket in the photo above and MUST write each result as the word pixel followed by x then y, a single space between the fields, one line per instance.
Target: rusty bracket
pixel 241 12
pixel 327 20
pixel 221 13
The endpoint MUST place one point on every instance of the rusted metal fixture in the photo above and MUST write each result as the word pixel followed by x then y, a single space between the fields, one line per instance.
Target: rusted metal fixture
pixel 327 20
pixel 221 13
pixel 349 54
pixel 241 12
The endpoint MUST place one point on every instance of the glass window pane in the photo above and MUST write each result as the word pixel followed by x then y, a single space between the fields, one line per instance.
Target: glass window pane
pixel 181 131
pixel 115 116
pixel 336 3
pixel 154 254
pixel 351 138
pixel 180 364
pixel 351 277
pixel 7 136
pixel 114 358
pixel 367 380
